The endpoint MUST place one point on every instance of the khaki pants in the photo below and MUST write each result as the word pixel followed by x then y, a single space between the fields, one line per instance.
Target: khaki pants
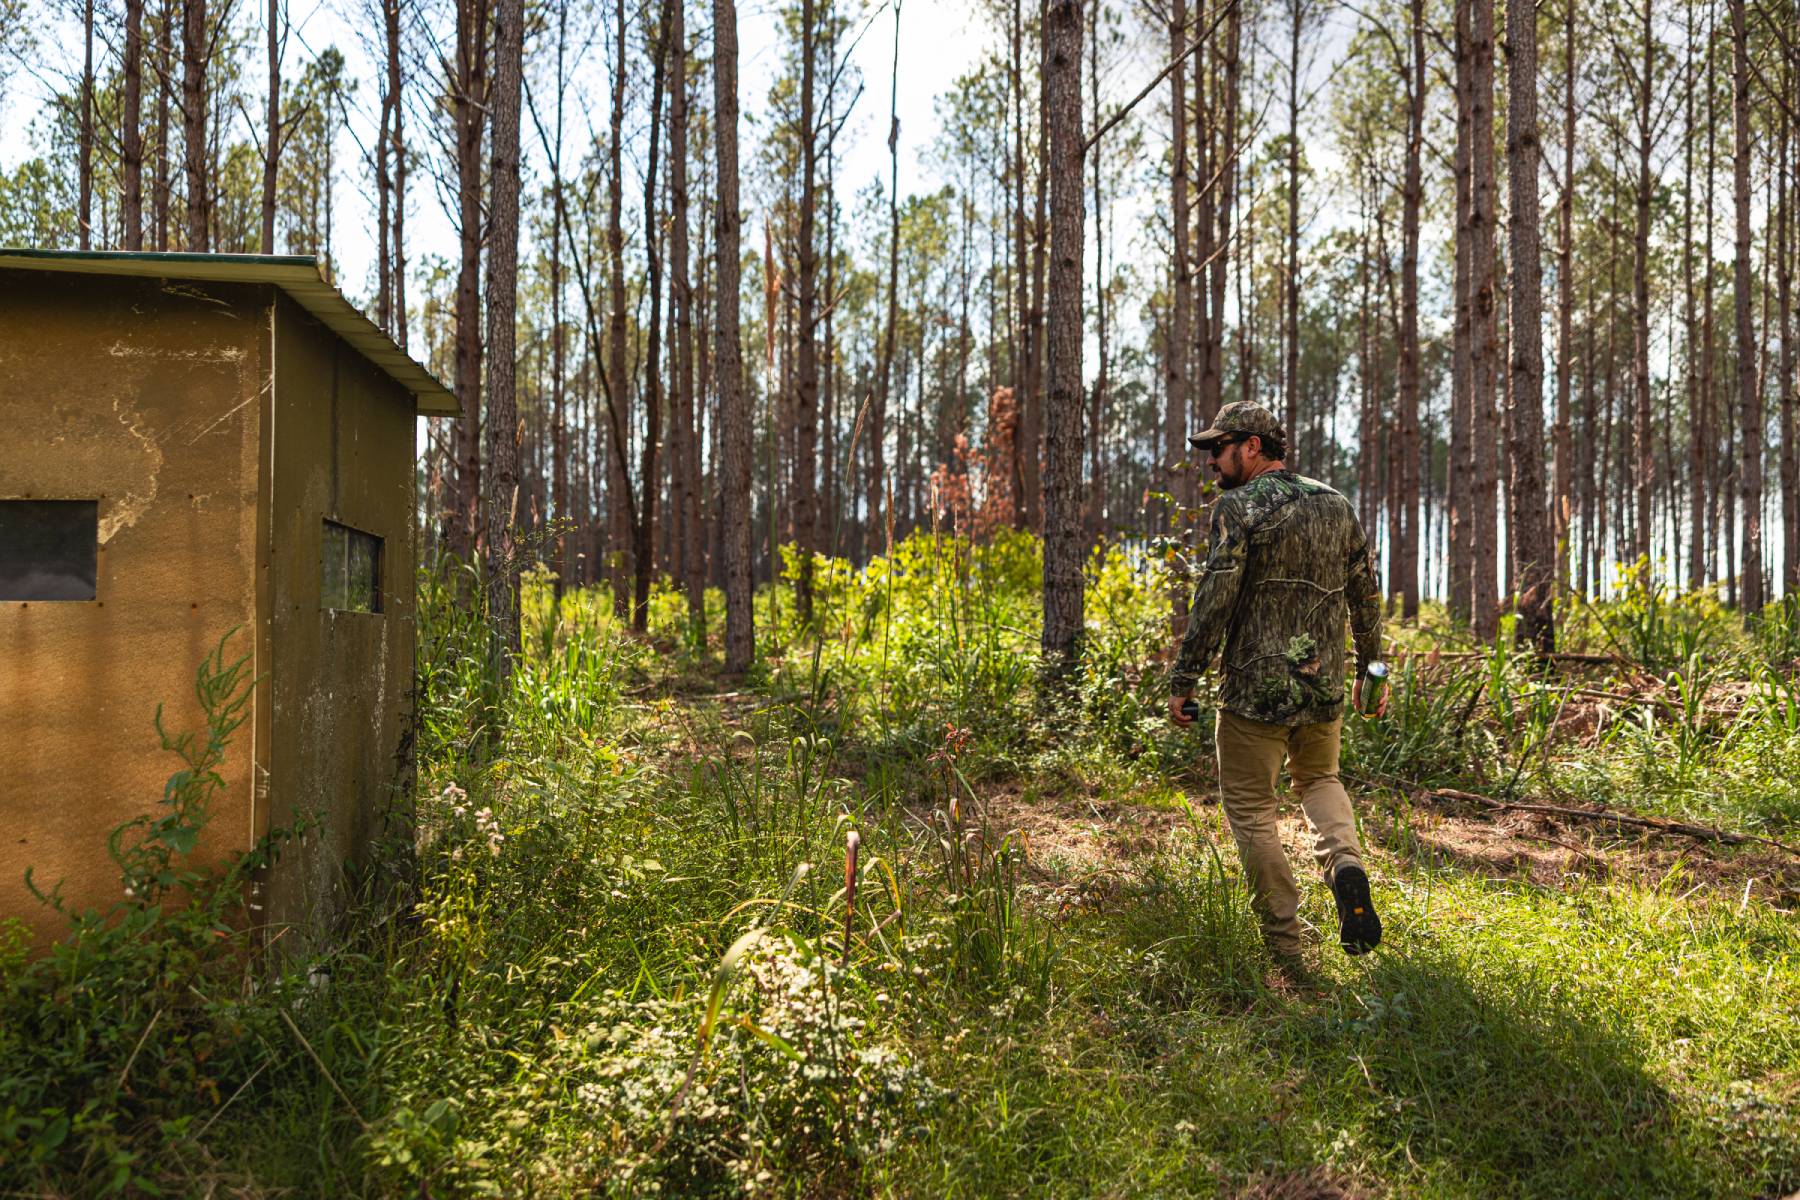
pixel 1250 758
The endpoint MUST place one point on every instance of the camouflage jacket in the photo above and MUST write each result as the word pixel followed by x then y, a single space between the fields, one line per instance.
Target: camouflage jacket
pixel 1288 561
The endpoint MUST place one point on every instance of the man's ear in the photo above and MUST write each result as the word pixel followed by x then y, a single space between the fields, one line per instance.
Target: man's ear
pixel 1254 440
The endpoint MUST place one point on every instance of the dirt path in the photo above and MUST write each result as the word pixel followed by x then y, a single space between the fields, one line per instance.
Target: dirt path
pixel 1083 842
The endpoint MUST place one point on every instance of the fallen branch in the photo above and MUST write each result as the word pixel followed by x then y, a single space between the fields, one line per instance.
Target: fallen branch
pixel 1705 833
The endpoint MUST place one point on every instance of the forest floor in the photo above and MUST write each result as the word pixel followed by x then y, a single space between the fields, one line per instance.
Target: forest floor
pixel 620 956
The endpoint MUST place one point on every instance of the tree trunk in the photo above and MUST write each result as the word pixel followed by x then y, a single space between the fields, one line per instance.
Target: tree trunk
pixel 165 76
pixel 131 142
pixel 1643 435
pixel 1024 351
pixel 806 415
pixel 559 432
pixel 1404 567
pixel 643 540
pixel 1031 407
pixel 1290 370
pixel 1181 295
pixel 397 244
pixel 1484 354
pixel 1094 434
pixel 85 170
pixel 193 122
pixel 685 508
pixel 1528 521
pixel 1063 598
pixel 1784 290
pixel 619 514
pixel 272 136
pixel 1696 373
pixel 728 353
pixel 1750 414
pixel 1561 499
pixel 880 502
pixel 1462 382
pixel 384 186
pixel 502 296
pixel 469 100
pixel 1225 172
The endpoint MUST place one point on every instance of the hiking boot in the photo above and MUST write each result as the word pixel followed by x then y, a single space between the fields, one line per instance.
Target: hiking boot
pixel 1359 929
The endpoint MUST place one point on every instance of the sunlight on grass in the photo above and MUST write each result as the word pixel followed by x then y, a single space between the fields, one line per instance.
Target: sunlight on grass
pixel 628 961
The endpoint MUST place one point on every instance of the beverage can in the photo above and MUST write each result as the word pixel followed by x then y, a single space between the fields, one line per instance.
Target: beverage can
pixel 1375 682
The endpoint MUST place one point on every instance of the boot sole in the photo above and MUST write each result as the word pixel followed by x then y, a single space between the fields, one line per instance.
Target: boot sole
pixel 1359 928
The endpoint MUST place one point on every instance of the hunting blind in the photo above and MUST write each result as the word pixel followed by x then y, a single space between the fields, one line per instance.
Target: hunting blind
pixel 190 445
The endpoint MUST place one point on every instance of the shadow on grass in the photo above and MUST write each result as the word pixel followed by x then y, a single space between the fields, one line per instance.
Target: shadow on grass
pixel 1505 1079
pixel 1446 1068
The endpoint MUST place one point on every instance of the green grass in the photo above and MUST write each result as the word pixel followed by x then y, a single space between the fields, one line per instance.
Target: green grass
pixel 621 966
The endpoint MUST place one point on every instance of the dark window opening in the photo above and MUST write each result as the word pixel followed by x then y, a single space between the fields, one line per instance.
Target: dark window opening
pixel 49 549
pixel 349 569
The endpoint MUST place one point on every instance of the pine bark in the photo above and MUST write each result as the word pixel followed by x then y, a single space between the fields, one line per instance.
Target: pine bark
pixel 1023 345
pixel 1218 196
pixel 193 122
pixel 1561 499
pixel 272 132
pixel 1094 433
pixel 1404 569
pixel 1533 546
pixel 685 508
pixel 85 169
pixel 880 501
pixel 806 415
pixel 728 351
pixel 1462 408
pixel 1063 593
pixel 1784 290
pixel 1750 414
pixel 644 536
pixel 620 516
pixel 165 76
pixel 502 365
pixel 1484 352
pixel 469 102
pixel 1290 370
pixel 1643 433
pixel 397 141
pixel 1175 351
pixel 560 507
pixel 131 141
pixel 1693 370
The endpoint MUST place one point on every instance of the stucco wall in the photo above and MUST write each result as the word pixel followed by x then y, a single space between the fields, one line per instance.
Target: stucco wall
pixel 343 450
pixel 148 395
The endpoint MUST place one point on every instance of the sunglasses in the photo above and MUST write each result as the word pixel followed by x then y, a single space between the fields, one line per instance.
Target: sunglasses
pixel 1219 447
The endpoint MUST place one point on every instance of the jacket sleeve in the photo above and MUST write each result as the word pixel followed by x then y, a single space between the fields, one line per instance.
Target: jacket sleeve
pixel 1215 596
pixel 1363 595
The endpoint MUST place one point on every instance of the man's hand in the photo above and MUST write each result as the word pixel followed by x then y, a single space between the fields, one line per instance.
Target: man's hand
pixel 1181 719
pixel 1356 701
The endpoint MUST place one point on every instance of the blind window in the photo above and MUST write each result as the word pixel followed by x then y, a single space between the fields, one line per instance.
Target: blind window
pixel 48 549
pixel 349 569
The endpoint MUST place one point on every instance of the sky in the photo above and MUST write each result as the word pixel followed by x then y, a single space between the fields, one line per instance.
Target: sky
pixel 938 42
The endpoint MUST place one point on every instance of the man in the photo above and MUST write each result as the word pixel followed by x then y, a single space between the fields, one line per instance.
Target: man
pixel 1287 563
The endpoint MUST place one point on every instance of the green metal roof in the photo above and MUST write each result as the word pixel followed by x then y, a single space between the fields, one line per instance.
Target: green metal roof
pixel 296 274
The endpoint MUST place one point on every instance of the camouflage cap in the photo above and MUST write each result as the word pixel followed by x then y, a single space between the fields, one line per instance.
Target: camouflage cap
pixel 1240 418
